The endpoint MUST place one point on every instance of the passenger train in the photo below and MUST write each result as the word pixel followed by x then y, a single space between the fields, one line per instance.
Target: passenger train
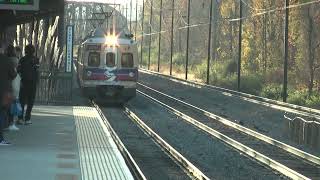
pixel 107 66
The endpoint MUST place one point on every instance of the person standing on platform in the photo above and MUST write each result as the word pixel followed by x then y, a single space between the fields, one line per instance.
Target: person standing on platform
pixel 7 74
pixel 18 52
pixel 11 54
pixel 28 70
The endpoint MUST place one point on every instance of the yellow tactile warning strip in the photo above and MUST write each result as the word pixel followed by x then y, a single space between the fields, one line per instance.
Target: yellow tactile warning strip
pixel 99 155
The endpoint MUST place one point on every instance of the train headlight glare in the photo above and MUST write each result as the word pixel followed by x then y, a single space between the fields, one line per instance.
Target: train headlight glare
pixel 111 40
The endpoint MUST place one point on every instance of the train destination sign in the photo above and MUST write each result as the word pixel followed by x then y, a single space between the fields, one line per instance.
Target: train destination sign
pixel 24 5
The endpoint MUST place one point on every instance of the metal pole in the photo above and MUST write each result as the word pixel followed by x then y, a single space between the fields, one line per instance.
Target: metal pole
pixel 135 31
pixel 188 32
pixel 36 37
pixel 126 14
pixel 142 33
pixel 171 55
pixel 264 41
pixel 150 23
pixel 240 44
pixel 130 16
pixel 209 43
pixel 285 70
pixel 159 47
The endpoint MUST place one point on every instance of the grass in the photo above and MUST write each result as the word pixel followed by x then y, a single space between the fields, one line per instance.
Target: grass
pixel 224 74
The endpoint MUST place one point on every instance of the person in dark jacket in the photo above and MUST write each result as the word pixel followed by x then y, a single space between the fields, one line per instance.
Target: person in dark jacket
pixel 7 74
pixel 28 70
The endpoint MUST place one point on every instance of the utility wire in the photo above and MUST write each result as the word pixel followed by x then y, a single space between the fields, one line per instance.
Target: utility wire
pixel 236 19
pixel 276 9
pixel 256 9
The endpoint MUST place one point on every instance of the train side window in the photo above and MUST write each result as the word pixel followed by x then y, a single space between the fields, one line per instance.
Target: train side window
pixel 127 60
pixel 94 59
pixel 110 59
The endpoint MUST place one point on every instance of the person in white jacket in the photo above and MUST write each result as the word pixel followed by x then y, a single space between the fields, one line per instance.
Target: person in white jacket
pixel 11 54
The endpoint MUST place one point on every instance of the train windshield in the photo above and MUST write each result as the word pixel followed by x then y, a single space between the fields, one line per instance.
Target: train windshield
pixel 94 59
pixel 127 60
pixel 110 59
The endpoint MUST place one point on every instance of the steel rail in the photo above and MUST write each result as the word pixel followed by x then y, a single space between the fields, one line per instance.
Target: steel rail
pixel 237 145
pixel 297 152
pixel 173 153
pixel 301 110
pixel 126 154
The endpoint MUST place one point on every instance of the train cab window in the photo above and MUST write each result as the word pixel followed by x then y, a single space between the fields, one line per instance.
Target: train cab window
pixel 127 60
pixel 110 59
pixel 94 59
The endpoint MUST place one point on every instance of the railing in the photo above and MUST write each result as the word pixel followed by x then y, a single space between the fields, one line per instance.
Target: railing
pixel 54 88
pixel 304 131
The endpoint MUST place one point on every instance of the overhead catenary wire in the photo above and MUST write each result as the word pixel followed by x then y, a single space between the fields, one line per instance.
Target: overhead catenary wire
pixel 255 9
pixel 235 19
pixel 276 9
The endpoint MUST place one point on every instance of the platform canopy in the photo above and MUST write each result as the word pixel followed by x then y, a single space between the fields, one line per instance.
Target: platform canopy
pixel 27 10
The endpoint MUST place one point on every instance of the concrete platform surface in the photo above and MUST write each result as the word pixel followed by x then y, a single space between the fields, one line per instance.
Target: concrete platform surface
pixel 63 143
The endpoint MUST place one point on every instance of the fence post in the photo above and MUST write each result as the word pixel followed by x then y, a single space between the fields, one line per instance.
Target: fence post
pixel 285 67
pixel 171 55
pixel 36 37
pixel 240 44
pixel 126 11
pixel 136 25
pixel 209 43
pixel 130 17
pixel 159 47
pixel 142 32
pixel 150 29
pixel 188 32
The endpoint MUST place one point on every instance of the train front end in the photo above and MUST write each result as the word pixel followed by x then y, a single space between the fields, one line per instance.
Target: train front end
pixel 109 70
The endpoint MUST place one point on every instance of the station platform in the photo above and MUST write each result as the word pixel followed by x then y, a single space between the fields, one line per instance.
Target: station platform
pixel 63 143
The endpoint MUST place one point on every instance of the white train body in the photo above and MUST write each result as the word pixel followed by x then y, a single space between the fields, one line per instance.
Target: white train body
pixel 107 67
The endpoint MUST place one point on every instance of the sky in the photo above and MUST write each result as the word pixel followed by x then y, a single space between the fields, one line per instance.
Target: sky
pixel 123 2
pixel 111 1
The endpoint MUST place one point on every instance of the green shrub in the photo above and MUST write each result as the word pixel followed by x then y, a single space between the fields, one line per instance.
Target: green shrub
pixel 297 97
pixel 274 76
pixel 200 71
pixel 231 67
pixel 313 101
pixel 178 59
pixel 251 84
pixel 229 82
pixel 272 91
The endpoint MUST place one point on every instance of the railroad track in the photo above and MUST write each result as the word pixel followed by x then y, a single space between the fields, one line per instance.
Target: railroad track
pixel 313 114
pixel 288 160
pixel 134 168
pixel 190 171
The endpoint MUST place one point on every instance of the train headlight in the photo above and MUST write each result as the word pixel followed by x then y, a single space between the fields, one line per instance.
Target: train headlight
pixel 131 74
pixel 89 73
pixel 111 40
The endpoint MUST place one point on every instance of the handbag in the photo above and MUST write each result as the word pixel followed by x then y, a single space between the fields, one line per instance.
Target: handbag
pixel 16 109
pixel 7 99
